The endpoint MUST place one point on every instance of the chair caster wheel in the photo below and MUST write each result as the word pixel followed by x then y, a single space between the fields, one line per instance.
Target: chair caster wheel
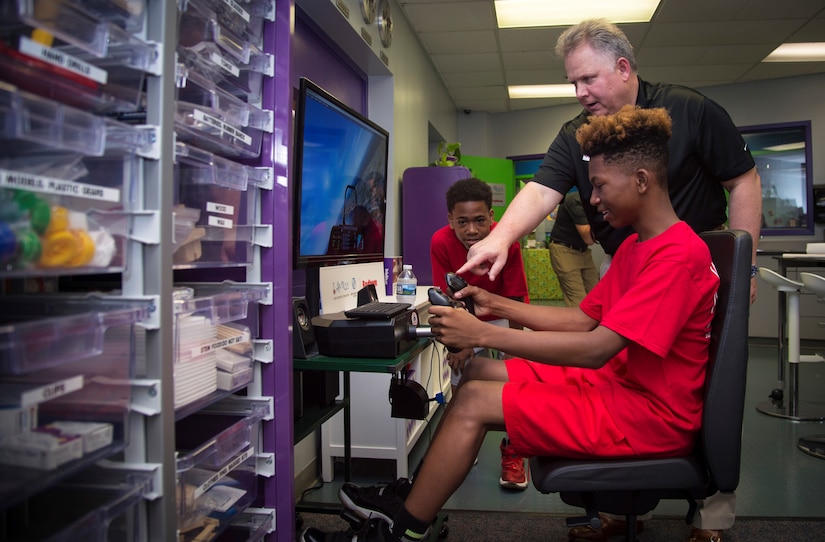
pixel 776 395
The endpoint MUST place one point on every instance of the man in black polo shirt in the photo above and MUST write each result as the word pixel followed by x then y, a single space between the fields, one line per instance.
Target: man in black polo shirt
pixel 707 158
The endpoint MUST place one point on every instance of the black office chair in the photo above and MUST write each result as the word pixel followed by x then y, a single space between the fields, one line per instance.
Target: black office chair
pixel 632 487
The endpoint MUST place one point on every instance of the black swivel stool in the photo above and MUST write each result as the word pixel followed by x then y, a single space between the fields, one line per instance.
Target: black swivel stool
pixel 813 444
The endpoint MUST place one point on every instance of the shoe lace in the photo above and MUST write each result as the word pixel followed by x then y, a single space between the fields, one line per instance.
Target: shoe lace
pixel 513 465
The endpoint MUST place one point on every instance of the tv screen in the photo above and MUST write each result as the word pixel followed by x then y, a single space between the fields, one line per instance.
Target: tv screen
pixel 340 182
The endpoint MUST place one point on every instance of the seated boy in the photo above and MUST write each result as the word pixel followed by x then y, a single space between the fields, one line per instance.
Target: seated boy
pixel 621 375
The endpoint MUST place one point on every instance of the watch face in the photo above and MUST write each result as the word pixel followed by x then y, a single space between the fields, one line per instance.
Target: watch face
pixel 368 10
pixel 385 23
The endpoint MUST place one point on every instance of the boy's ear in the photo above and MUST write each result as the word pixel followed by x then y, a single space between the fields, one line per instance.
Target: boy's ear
pixel 643 180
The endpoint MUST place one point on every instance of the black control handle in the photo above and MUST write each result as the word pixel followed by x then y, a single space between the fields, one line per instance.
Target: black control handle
pixel 438 297
pixel 456 284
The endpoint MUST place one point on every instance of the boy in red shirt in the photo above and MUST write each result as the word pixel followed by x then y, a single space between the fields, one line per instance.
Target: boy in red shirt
pixel 621 375
pixel 469 220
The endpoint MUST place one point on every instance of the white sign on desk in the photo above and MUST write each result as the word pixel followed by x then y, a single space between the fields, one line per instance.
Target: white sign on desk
pixel 339 284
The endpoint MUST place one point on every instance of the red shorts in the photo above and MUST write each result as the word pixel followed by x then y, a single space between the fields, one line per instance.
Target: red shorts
pixel 556 411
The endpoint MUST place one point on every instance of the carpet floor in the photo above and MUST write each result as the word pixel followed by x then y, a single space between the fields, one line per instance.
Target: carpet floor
pixel 518 527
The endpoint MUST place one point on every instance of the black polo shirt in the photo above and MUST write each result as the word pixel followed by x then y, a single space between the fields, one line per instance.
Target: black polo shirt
pixel 706 149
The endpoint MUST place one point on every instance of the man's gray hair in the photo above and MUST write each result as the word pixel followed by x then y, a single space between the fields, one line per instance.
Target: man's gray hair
pixel 602 35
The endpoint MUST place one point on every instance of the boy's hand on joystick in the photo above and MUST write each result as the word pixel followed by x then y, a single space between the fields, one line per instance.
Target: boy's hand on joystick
pixel 456 284
pixel 438 297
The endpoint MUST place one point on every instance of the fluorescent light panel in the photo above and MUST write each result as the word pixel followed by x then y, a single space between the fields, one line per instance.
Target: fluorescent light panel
pixel 798 52
pixel 542 91
pixel 526 13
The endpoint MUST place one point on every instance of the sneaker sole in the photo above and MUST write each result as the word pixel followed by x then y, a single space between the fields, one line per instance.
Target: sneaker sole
pixel 512 485
pixel 361 512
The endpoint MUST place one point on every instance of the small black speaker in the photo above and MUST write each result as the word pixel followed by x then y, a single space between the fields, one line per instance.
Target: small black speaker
pixel 367 294
pixel 304 345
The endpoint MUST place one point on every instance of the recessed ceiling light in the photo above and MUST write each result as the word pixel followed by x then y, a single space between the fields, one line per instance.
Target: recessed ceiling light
pixel 525 13
pixel 798 52
pixel 786 147
pixel 542 91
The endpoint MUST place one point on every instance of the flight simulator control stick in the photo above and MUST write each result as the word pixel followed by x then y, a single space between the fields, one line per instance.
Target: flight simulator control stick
pixel 437 297
pixel 456 284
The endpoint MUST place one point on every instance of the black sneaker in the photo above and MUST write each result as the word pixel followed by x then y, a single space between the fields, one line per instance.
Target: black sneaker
pixel 370 502
pixel 372 531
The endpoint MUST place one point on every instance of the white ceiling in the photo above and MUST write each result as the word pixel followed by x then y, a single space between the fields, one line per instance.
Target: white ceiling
pixel 697 43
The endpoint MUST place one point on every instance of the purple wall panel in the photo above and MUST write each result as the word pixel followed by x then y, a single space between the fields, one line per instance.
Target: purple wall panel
pixel 315 58
pixel 423 211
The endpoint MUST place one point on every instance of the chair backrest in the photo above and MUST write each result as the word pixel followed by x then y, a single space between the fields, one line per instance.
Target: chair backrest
pixel 725 382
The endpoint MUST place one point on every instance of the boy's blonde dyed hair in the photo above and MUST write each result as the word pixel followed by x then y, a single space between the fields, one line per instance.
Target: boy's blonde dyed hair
pixel 633 138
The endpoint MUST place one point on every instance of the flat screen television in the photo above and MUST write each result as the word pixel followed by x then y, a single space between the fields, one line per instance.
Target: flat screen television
pixel 340 182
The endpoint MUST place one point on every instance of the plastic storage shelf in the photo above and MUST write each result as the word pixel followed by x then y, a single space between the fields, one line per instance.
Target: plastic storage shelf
pixel 216 467
pixel 65 394
pixel 98 505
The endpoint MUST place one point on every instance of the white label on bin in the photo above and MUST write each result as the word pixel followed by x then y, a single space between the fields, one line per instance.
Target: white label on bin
pixel 237 9
pixel 226 65
pixel 220 208
pixel 229 467
pixel 51 391
pixel 219 345
pixel 50 185
pixel 58 58
pixel 220 222
pixel 215 122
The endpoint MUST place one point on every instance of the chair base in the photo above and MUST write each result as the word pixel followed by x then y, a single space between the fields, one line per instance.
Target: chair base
pixel 813 445
pixel 804 412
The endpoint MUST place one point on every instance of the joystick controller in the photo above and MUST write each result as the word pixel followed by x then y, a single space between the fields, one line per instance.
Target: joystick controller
pixel 437 297
pixel 456 284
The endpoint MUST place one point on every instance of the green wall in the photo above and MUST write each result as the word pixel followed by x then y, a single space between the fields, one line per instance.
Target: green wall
pixel 495 171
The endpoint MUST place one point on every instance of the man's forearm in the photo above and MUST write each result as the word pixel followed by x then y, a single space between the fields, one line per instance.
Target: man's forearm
pixel 746 206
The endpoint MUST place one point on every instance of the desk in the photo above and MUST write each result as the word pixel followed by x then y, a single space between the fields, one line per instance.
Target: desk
pixel 776 405
pixel 347 366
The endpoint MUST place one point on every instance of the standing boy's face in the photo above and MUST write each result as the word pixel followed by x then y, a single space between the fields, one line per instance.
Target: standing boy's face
pixel 471 221
pixel 615 192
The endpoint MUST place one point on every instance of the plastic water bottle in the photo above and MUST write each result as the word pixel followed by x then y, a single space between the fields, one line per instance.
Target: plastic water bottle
pixel 406 285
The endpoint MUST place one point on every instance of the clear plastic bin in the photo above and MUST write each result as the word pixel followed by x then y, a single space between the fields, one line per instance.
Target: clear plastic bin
pixel 69 22
pixel 64 212
pixel 199 128
pixel 199 93
pixel 35 124
pixel 215 202
pixel 97 505
pixel 204 339
pixel 120 94
pixel 216 467
pixel 248 527
pixel 42 331
pixel 201 28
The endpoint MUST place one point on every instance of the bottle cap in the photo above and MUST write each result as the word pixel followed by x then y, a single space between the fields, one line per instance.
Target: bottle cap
pixel 407 266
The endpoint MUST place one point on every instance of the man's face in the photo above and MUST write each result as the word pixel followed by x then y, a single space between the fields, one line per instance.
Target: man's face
pixel 471 221
pixel 615 193
pixel 601 84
